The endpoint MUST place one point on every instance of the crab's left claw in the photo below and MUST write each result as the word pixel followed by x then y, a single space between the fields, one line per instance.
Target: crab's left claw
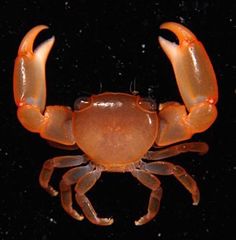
pixel 197 85
pixel 193 70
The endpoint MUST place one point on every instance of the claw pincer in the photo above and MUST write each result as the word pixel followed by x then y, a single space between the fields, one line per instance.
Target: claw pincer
pixel 29 72
pixel 30 92
pixel 196 81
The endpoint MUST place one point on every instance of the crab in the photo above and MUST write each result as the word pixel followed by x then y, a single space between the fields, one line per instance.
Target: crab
pixel 118 132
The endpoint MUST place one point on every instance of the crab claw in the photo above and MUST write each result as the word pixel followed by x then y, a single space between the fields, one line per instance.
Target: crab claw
pixel 192 67
pixel 53 123
pixel 197 85
pixel 29 71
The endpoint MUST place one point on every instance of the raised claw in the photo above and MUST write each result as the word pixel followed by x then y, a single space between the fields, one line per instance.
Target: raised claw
pixel 29 71
pixel 193 70
pixel 197 84
pixel 54 123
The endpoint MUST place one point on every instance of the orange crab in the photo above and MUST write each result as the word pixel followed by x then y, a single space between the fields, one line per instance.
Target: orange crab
pixel 116 130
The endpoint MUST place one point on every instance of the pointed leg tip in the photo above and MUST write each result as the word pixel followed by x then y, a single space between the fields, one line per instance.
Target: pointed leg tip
pixel 143 220
pixel 196 199
pixel 136 223
pixel 76 216
pixel 79 217
pixel 54 193
pixel 51 191
pixel 102 221
pixel 110 221
pixel 107 221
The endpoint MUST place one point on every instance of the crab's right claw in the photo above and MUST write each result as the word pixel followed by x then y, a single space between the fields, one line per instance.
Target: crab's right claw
pixel 29 71
pixel 52 122
pixel 29 79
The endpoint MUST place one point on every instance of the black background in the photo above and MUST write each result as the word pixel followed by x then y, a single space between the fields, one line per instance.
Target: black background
pixel 104 46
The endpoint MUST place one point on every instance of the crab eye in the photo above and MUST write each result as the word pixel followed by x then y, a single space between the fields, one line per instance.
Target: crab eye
pixel 148 104
pixel 81 103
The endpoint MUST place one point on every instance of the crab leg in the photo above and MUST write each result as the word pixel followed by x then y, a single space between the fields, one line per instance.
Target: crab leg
pixel 152 182
pixel 54 122
pixel 166 168
pixel 84 184
pixel 57 162
pixel 197 85
pixel 199 147
pixel 69 179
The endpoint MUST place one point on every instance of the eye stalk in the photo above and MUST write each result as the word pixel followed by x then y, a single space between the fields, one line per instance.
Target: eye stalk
pixel 148 104
pixel 81 103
